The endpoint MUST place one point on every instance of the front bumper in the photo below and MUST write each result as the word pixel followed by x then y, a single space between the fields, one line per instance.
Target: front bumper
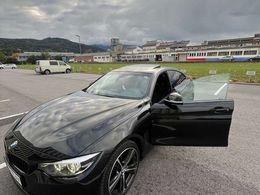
pixel 38 182
pixel 38 70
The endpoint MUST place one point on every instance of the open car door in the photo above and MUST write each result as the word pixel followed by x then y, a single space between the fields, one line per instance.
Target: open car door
pixel 203 121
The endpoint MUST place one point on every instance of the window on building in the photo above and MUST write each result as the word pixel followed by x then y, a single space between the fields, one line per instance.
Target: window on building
pixel 236 53
pixel 250 52
pixel 212 53
pixel 223 53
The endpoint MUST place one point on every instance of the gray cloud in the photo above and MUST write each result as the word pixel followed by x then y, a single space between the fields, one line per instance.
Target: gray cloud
pixel 133 21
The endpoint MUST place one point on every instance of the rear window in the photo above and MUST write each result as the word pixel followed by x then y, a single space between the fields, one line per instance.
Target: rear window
pixel 53 63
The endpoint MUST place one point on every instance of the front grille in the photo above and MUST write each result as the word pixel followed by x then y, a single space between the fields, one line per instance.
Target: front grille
pixel 19 163
pixel 22 151
pixel 26 157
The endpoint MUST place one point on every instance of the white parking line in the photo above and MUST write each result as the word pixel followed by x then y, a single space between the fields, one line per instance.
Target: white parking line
pixel 7 100
pixel 9 119
pixel 11 116
pixel 219 90
pixel 3 165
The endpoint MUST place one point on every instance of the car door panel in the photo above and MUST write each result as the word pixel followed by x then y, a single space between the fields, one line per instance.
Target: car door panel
pixel 198 123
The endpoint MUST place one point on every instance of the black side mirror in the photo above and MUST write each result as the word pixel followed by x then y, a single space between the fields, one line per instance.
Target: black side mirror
pixel 174 98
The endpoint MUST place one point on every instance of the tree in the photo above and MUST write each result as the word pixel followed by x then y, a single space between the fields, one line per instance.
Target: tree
pixel 45 56
pixel 2 57
pixel 88 50
pixel 31 59
pixel 11 60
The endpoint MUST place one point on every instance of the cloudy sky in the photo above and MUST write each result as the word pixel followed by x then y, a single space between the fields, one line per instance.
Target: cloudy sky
pixel 133 21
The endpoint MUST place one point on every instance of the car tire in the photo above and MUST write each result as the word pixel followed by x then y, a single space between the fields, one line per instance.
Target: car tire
pixel 68 71
pixel 120 170
pixel 47 72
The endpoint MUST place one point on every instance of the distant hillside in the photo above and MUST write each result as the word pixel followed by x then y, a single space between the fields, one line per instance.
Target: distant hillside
pixel 102 46
pixel 9 46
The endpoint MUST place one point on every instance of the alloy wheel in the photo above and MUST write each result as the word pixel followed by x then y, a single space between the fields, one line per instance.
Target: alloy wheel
pixel 123 171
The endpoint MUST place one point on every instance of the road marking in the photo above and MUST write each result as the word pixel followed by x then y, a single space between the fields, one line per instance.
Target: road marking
pixel 3 165
pixel 220 89
pixel 14 115
pixel 9 119
pixel 7 100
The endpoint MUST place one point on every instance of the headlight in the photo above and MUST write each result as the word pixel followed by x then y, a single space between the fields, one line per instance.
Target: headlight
pixel 70 167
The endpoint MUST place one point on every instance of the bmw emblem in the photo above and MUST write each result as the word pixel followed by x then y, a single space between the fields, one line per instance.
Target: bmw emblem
pixel 13 145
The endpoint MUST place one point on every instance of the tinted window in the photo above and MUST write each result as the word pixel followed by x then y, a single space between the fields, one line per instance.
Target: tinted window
pixel 53 63
pixel 162 88
pixel 176 78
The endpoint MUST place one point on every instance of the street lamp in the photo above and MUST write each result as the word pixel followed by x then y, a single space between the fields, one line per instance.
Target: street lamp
pixel 79 43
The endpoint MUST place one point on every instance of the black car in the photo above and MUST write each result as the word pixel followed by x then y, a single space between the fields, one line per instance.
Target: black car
pixel 91 141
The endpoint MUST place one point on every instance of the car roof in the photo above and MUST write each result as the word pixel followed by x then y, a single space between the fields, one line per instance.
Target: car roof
pixel 149 68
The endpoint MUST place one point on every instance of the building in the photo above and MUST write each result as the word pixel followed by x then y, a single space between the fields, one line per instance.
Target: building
pixel 150 46
pixel 133 50
pixel 22 57
pixel 239 49
pixel 166 46
pixel 88 57
pixel 116 46
pixel 237 42
pixel 103 57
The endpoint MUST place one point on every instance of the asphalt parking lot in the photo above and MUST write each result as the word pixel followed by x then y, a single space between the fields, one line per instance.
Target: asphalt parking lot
pixel 165 170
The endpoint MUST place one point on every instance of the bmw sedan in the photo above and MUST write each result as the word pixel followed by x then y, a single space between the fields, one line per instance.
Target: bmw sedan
pixel 91 141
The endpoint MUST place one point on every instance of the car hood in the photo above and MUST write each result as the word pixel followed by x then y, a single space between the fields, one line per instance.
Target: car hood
pixel 71 123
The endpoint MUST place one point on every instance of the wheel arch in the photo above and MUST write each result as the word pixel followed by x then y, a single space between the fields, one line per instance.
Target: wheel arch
pixel 138 140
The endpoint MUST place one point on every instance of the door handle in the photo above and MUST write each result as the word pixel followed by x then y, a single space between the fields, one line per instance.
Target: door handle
pixel 221 110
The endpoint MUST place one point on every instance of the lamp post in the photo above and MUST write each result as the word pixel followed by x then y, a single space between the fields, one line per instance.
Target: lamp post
pixel 79 43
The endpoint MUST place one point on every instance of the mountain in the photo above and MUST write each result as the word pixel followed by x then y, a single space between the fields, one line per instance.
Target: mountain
pixel 103 46
pixel 9 46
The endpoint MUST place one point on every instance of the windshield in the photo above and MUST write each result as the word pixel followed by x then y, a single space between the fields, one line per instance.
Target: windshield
pixel 122 84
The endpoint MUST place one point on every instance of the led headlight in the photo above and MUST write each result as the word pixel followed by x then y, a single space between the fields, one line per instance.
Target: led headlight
pixel 70 167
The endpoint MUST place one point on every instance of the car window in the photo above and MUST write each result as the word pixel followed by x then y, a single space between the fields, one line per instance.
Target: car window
pixel 213 87
pixel 176 77
pixel 62 63
pixel 53 63
pixel 162 88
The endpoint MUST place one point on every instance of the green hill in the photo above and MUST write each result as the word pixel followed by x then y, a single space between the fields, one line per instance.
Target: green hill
pixel 9 46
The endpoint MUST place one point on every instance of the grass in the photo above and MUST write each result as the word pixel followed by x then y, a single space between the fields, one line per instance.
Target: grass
pixel 237 70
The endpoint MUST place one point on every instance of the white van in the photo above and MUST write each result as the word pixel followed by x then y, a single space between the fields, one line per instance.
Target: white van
pixel 51 66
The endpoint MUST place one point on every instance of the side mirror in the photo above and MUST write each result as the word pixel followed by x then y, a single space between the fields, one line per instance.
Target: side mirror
pixel 174 98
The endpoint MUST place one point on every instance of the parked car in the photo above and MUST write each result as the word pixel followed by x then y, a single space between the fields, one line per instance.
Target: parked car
pixel 255 59
pixel 51 66
pixel 2 66
pixel 91 141
pixel 7 66
pixel 10 66
pixel 227 59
